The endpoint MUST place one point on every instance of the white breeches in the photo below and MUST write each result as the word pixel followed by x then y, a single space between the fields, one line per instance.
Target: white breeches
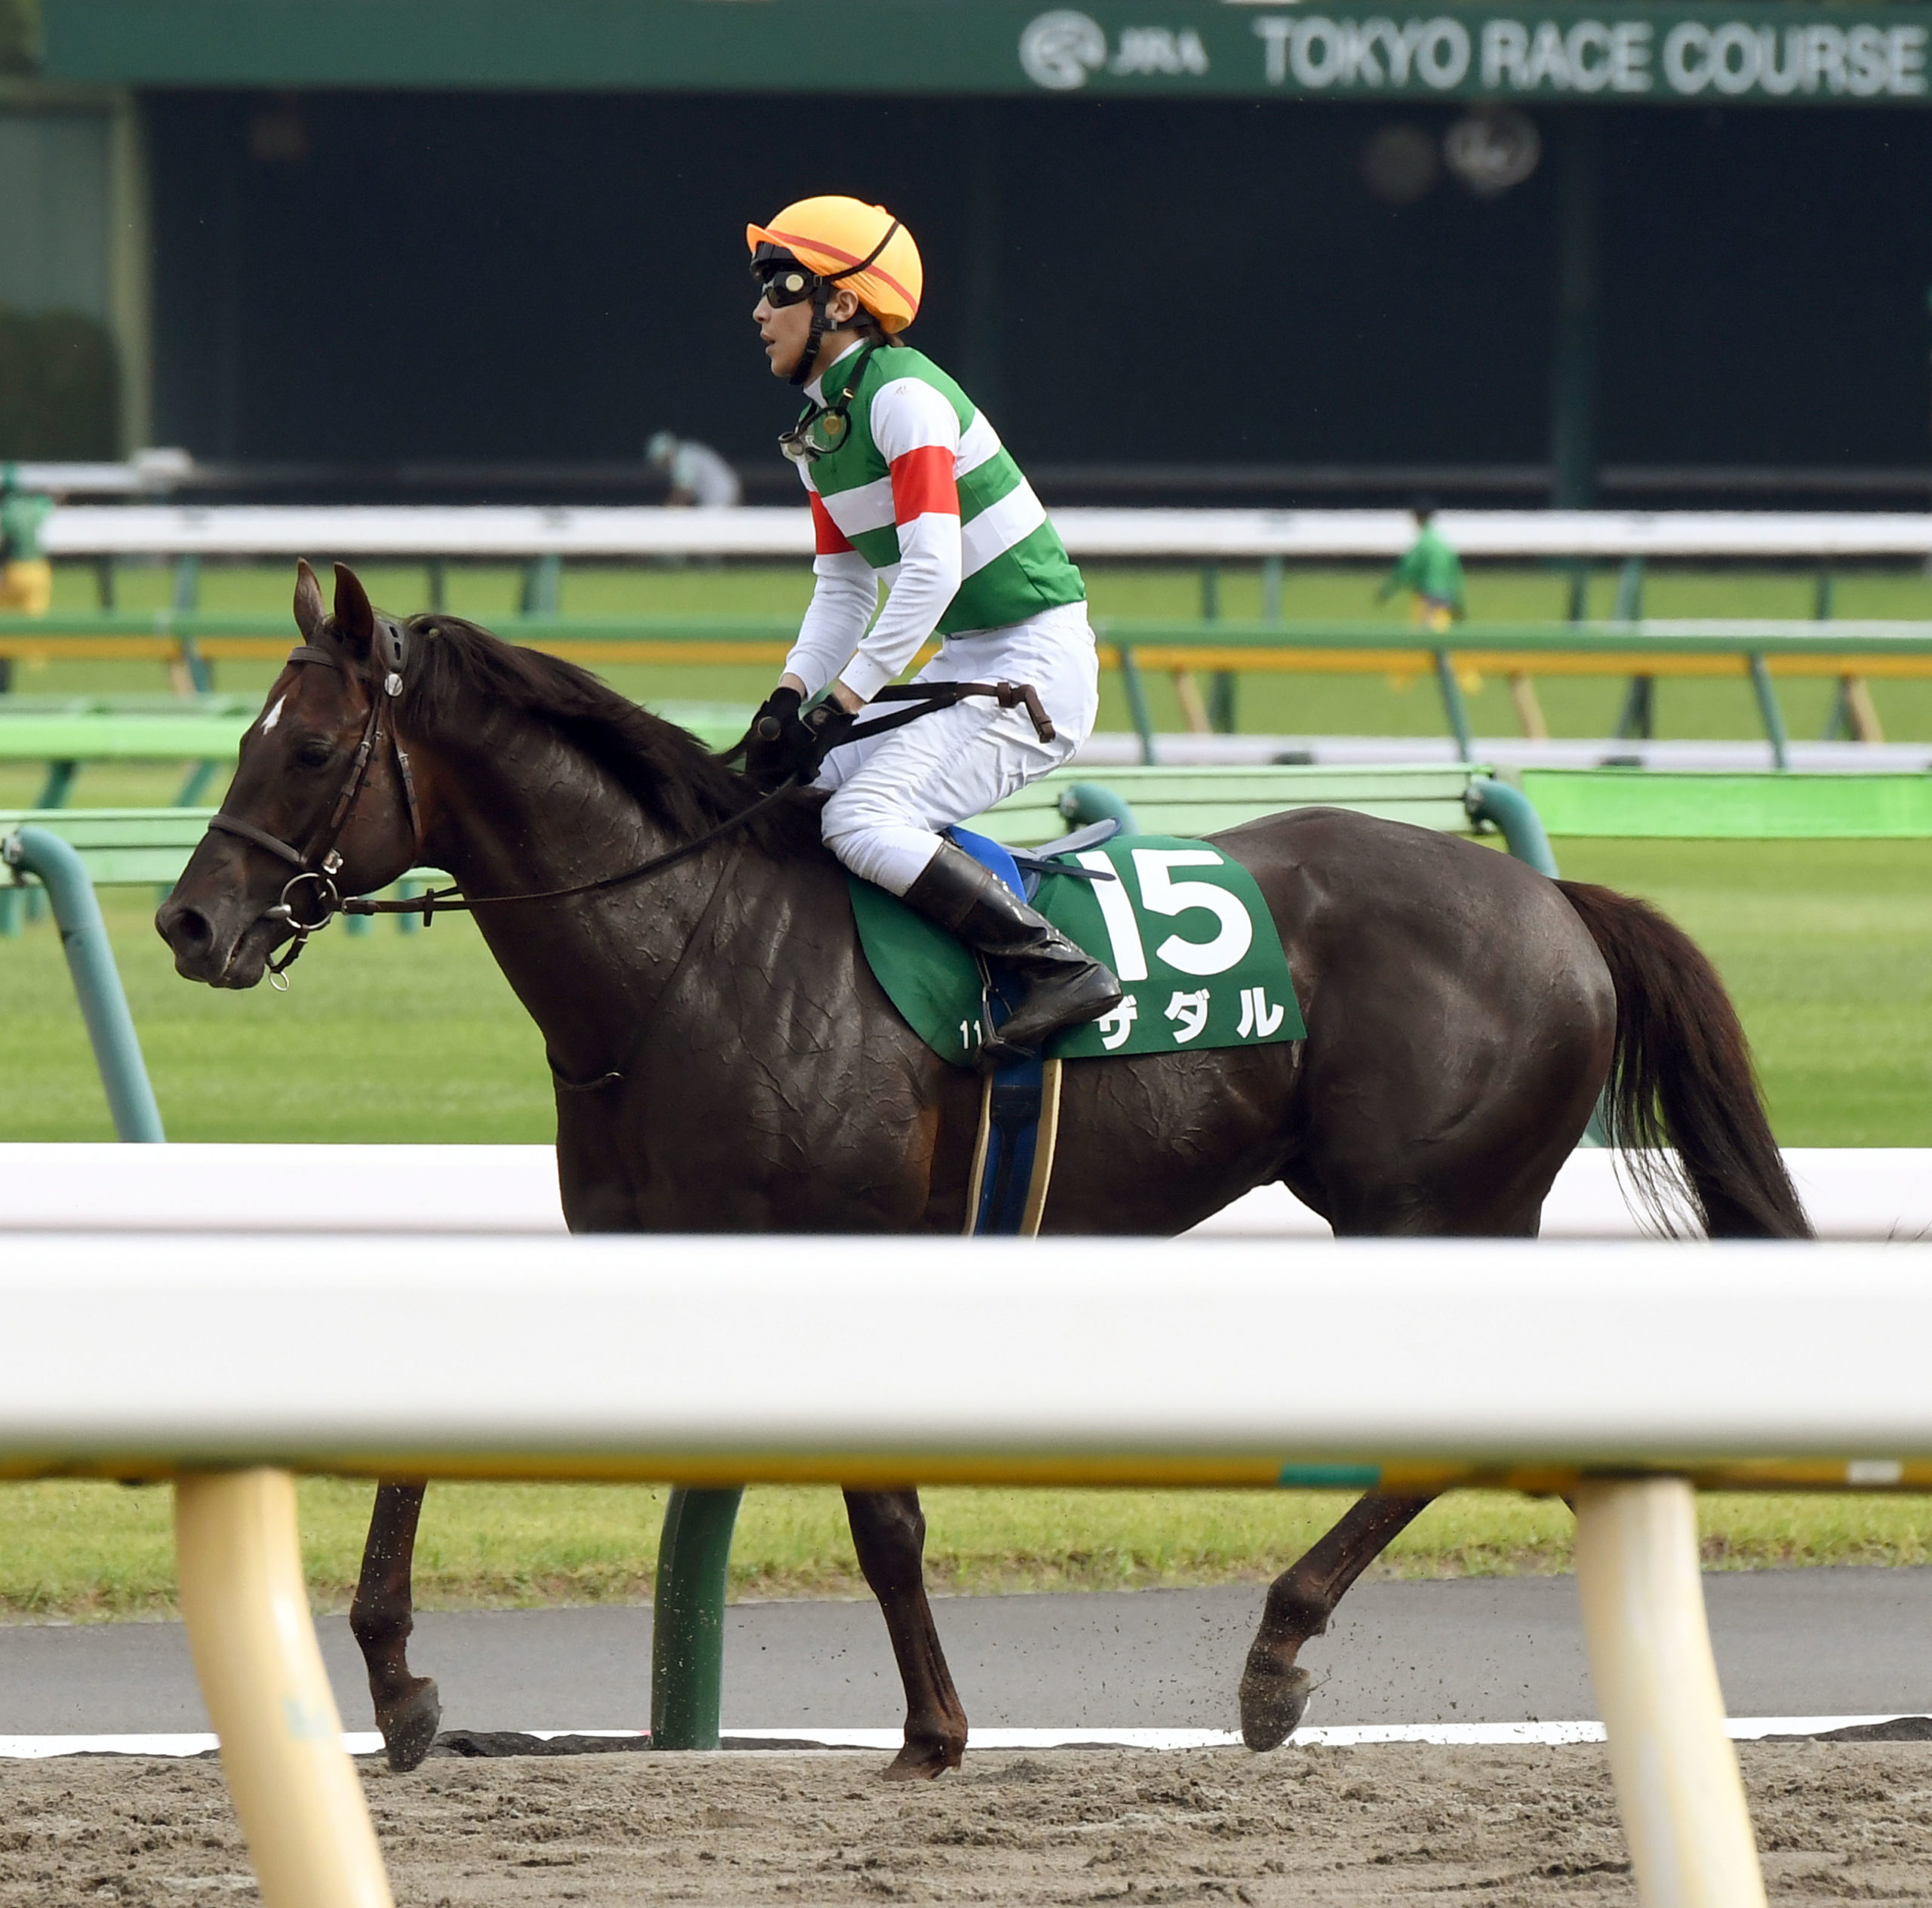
pixel 893 793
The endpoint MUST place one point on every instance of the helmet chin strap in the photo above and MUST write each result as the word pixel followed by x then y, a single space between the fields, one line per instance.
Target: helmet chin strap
pixel 802 371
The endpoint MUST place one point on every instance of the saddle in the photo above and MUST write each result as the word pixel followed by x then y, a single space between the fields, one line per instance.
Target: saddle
pixel 1143 903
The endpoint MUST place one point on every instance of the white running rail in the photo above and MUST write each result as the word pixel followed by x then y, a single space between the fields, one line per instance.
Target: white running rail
pixel 1851 1193
pixel 503 531
pixel 1611 1371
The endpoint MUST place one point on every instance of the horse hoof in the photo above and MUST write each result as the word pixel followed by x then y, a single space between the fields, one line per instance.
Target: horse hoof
pixel 925 1760
pixel 410 1729
pixel 1272 1702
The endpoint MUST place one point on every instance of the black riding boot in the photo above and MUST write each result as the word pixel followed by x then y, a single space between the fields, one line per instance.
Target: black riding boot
pixel 1062 986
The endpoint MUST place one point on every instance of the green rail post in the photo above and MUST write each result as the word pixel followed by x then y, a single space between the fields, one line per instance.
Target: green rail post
pixel 1454 706
pixel 117 1048
pixel 436 584
pixel 1083 803
pixel 103 582
pixel 1630 605
pixel 1142 716
pixel 1638 721
pixel 1271 572
pixel 1767 707
pixel 187 599
pixel 687 1618
pixel 543 585
pixel 1221 688
pixel 1511 811
pixel 59 784
pixel 61 777
pixel 1840 725
pixel 200 775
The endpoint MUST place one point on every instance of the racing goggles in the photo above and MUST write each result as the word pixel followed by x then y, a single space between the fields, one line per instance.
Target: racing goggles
pixel 781 278
pixel 823 428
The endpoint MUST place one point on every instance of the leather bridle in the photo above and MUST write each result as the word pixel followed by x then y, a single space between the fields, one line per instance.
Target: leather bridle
pixel 317 866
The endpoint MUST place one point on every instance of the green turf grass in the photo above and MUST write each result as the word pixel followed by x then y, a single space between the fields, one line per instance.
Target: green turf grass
pixel 1827 946
pixel 90 1551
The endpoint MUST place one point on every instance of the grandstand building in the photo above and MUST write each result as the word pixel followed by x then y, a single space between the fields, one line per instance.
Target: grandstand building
pixel 1213 249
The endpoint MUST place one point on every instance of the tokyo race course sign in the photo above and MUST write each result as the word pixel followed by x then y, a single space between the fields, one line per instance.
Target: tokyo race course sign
pixel 1779 53
pixel 1706 54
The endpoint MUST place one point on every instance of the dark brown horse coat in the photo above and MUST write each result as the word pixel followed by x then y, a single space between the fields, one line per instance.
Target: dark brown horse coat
pixel 725 1061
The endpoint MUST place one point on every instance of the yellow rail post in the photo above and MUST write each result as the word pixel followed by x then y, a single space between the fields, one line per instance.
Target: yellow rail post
pixel 1678 1788
pixel 295 1789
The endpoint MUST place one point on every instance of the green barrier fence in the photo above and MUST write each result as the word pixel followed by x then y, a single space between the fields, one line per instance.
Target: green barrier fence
pixel 1711 804
pixel 1755 652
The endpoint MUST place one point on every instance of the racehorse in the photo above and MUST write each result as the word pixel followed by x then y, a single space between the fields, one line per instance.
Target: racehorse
pixel 724 1060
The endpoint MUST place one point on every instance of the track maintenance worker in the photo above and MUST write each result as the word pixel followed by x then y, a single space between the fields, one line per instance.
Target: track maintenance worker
pixel 1432 570
pixel 26 577
pixel 697 474
pixel 909 481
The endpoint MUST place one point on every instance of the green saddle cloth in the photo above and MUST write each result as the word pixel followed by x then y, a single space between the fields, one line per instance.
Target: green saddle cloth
pixel 1184 927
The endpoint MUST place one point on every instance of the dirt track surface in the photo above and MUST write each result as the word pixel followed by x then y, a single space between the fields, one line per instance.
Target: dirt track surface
pixel 1400 1824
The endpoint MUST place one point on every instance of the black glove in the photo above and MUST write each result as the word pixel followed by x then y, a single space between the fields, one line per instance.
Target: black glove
pixel 781 743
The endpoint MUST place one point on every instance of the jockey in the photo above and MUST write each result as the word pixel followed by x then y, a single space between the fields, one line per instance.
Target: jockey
pixel 909 480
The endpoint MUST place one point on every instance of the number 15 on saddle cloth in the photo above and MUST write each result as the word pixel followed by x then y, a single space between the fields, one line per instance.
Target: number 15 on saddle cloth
pixel 1184 927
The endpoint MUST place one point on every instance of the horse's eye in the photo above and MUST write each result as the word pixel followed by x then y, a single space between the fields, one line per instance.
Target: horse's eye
pixel 317 753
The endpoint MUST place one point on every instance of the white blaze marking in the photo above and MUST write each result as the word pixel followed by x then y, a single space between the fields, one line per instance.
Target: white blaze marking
pixel 274 715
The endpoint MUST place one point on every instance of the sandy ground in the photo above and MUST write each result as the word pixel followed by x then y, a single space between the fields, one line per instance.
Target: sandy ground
pixel 1838 1822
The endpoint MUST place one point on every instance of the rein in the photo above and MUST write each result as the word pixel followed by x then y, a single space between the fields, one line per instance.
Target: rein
pixel 932 697
pixel 317 867
pixel 437 900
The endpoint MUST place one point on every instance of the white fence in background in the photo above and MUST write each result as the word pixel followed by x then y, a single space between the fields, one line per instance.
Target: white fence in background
pixel 491 530
pixel 1850 1193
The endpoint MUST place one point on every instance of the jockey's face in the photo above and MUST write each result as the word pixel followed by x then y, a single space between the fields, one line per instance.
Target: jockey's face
pixel 785 329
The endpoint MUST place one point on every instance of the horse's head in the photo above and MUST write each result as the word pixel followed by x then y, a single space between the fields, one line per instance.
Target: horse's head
pixel 320 802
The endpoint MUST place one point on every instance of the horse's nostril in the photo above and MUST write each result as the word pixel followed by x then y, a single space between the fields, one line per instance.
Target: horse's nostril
pixel 182 927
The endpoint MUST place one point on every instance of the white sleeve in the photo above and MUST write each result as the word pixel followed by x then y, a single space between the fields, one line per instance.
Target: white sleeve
pixel 917 432
pixel 843 600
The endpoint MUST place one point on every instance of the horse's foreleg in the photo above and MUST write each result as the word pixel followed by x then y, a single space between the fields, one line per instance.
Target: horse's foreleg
pixel 889 1533
pixel 407 1709
pixel 1274 1687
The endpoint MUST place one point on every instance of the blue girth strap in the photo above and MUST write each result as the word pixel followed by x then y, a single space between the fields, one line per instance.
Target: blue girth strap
pixel 1018 1100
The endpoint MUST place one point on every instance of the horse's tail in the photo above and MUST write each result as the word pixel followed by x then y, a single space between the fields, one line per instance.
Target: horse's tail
pixel 1680 1076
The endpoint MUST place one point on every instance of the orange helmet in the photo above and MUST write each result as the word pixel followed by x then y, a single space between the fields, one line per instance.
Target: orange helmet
pixel 846 244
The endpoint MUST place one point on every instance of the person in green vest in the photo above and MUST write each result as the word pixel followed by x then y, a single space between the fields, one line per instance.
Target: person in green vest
pixel 26 577
pixel 909 483
pixel 1431 571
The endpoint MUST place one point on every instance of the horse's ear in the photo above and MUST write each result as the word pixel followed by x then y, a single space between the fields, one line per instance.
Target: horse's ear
pixel 354 620
pixel 308 600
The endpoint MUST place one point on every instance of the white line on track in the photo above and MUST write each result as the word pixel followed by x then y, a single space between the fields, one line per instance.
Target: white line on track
pixel 1338 1736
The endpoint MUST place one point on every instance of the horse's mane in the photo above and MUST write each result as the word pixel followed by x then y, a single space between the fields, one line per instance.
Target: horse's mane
pixel 458 671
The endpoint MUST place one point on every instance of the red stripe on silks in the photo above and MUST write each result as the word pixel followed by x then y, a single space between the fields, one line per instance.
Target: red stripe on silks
pixel 923 484
pixel 831 540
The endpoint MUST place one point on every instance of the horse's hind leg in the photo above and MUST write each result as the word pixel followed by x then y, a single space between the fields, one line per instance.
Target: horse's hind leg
pixel 889 1533
pixel 407 1709
pixel 1274 1687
